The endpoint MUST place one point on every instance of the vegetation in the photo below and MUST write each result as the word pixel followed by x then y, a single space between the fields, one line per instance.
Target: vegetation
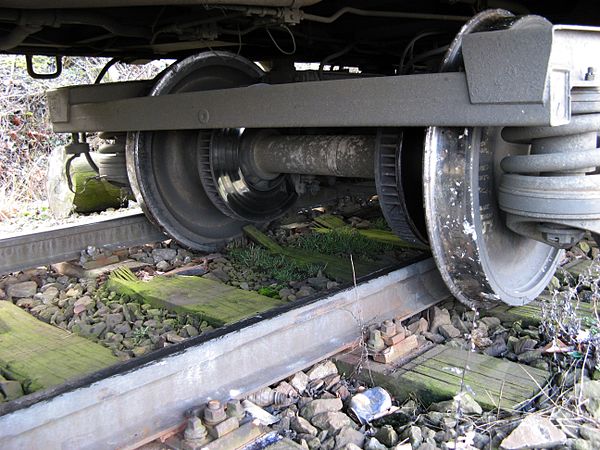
pixel 277 267
pixel 342 242
pixel 26 137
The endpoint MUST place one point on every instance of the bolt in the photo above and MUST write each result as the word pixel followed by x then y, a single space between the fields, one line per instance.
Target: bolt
pixel 388 328
pixel 375 343
pixel 203 116
pixel 235 409
pixel 214 413
pixel 195 432
pixel 590 75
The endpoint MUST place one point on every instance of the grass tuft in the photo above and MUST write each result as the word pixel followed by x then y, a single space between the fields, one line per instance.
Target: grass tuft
pixel 342 242
pixel 277 267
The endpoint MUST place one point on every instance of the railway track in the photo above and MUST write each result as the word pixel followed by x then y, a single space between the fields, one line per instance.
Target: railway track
pixel 110 407
pixel 65 242
pixel 131 403
pixel 126 403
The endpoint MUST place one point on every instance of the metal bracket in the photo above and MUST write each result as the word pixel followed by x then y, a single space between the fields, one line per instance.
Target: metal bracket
pixel 532 62
pixel 44 76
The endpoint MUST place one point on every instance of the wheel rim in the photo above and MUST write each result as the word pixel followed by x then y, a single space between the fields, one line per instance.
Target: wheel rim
pixel 162 165
pixel 479 258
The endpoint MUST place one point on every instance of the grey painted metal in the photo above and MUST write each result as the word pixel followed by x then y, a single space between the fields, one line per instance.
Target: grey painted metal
pixel 23 251
pixel 124 409
pixel 59 99
pixel 408 100
pixel 509 64
pixel 337 155
pixel 517 76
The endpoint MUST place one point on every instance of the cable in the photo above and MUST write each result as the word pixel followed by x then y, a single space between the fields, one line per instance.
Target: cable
pixel 384 14
pixel 333 56
pixel 425 55
pixel 105 69
pixel 409 47
pixel 285 27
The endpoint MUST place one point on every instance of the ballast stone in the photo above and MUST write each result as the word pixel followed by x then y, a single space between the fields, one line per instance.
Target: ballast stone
pixel 534 432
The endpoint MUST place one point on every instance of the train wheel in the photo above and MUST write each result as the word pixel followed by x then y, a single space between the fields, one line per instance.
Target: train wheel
pixel 481 260
pixel 189 182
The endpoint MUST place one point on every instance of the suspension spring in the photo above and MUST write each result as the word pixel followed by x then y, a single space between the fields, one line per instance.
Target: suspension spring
pixel 111 158
pixel 552 193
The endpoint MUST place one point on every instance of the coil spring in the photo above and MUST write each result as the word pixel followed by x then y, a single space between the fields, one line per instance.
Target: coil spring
pixel 552 194
pixel 567 149
pixel 111 158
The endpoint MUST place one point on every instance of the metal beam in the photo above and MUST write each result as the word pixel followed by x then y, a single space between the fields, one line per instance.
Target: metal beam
pixel 127 407
pixel 63 243
pixel 408 100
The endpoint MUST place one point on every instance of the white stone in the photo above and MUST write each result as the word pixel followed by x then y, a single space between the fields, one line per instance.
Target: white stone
pixel 23 289
pixel 534 432
pixel 322 370
pixel 299 381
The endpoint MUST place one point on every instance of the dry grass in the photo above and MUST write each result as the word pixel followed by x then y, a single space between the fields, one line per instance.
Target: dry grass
pixel 26 137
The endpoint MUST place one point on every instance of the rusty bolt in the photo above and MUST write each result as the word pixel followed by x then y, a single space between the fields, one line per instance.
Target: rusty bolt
pixel 388 328
pixel 590 75
pixel 235 409
pixel 214 413
pixel 195 432
pixel 375 342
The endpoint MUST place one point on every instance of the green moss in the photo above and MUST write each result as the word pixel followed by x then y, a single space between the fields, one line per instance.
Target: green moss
pixel 40 355
pixel 215 302
pixel 93 194
pixel 269 291
pixel 379 233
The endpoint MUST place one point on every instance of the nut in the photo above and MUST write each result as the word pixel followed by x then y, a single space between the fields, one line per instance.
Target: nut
pixel 235 409
pixel 590 75
pixel 222 428
pixel 214 413
pixel 388 328
pixel 195 432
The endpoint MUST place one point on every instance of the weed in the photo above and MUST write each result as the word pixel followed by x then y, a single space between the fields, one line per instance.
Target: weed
pixel 26 137
pixel 269 291
pixel 139 334
pixel 380 224
pixel 564 317
pixel 277 267
pixel 342 242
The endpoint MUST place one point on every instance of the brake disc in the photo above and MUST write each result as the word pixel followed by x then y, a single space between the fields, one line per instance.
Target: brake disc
pixel 480 259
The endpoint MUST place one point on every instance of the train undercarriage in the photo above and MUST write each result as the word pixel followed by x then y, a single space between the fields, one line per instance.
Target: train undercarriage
pixel 477 125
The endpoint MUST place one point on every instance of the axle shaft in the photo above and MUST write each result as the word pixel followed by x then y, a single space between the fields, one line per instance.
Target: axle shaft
pixel 335 155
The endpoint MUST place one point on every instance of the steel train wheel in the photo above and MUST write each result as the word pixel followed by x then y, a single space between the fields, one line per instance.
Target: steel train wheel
pixel 163 165
pixel 479 258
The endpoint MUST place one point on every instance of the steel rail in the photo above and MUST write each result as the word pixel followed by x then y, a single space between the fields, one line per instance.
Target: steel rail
pixel 23 251
pixel 151 393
